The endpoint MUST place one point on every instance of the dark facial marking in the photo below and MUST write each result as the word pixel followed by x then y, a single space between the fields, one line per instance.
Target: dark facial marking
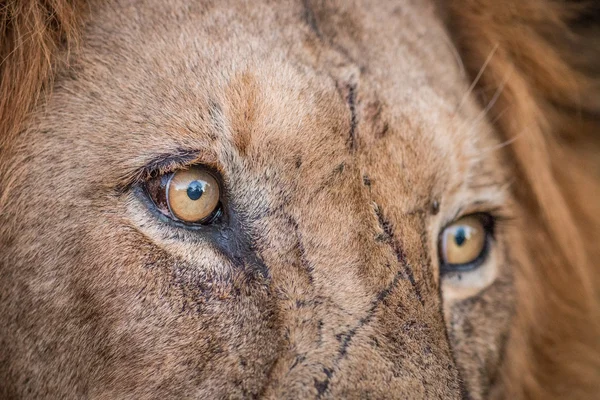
pixel 351 100
pixel 435 207
pixel 307 267
pixel 311 21
pixel 367 181
pixel 346 338
pixel 387 228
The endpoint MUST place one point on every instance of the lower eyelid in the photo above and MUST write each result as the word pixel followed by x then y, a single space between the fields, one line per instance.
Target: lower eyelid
pixel 480 260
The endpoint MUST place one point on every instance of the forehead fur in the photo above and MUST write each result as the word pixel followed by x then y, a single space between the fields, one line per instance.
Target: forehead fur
pixel 259 88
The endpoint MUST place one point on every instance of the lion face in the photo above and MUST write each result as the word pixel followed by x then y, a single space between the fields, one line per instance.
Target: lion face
pixel 349 240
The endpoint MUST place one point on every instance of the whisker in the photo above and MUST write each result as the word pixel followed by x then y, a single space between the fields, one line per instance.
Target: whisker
pixel 498 116
pixel 477 78
pixel 507 142
pixel 503 144
pixel 456 54
pixel 490 104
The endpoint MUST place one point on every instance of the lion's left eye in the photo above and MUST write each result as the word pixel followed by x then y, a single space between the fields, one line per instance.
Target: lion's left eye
pixel 191 196
pixel 464 243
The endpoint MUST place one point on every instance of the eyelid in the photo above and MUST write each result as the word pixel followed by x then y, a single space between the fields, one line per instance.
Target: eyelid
pixel 165 163
pixel 499 213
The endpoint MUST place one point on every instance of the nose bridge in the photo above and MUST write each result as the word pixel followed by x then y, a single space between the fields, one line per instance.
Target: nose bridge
pixel 353 319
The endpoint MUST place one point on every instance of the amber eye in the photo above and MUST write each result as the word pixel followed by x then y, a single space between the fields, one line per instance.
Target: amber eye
pixel 191 195
pixel 463 244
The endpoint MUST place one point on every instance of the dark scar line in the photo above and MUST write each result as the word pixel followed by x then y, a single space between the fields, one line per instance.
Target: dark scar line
pixel 299 245
pixel 351 100
pixel 400 256
pixel 322 386
pixel 311 20
pixel 347 337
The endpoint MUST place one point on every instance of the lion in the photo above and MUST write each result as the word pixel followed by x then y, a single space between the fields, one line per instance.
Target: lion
pixel 299 199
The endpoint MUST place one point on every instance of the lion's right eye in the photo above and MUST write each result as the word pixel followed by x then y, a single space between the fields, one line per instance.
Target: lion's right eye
pixel 191 196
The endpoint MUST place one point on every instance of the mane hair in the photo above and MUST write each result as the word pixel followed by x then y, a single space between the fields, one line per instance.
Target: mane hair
pixel 31 35
pixel 543 59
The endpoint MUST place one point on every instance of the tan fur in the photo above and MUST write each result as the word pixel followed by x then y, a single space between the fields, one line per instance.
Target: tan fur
pixel 347 137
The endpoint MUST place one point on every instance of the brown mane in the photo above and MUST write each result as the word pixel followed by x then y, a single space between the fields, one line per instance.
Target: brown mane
pixel 544 57
pixel 31 34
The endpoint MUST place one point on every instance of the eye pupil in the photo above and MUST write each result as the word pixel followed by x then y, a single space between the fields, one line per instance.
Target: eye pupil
pixel 195 190
pixel 460 237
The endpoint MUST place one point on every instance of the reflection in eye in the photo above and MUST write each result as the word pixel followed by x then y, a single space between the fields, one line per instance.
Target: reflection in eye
pixel 191 196
pixel 464 243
